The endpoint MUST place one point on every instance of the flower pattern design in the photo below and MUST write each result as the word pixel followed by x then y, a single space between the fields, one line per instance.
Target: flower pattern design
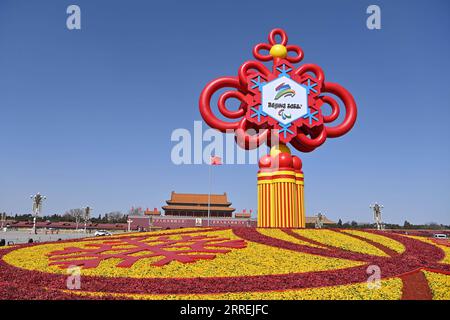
pixel 240 263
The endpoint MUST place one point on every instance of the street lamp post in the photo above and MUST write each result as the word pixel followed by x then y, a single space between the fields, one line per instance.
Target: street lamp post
pixel 129 221
pixel 377 214
pixel 150 223
pixel 87 216
pixel 37 206
pixel 3 219
pixel 319 221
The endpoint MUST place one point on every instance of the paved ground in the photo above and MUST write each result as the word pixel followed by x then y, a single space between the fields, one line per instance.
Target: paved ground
pixel 23 236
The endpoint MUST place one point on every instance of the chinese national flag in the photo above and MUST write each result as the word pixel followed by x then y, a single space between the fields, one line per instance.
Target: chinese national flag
pixel 216 161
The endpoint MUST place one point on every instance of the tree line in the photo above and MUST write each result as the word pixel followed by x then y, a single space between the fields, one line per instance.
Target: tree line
pixel 406 225
pixel 76 215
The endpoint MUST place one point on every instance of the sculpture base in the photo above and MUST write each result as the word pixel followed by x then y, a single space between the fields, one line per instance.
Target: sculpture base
pixel 280 191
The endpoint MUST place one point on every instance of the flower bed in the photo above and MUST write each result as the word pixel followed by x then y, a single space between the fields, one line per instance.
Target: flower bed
pixel 391 289
pixel 388 242
pixel 340 240
pixel 224 263
pixel 439 285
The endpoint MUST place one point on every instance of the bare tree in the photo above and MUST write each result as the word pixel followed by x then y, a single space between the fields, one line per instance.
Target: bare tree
pixel 115 216
pixel 3 218
pixel 75 214
pixel 86 216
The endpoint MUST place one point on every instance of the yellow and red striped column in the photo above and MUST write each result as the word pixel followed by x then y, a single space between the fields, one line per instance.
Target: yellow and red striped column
pixel 280 190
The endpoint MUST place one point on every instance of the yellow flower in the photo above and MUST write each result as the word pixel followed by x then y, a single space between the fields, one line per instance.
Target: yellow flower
pixel 341 241
pixel 390 289
pixel 388 242
pixel 439 284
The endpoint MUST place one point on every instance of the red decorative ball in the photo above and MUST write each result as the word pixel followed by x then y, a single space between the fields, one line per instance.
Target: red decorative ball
pixel 265 162
pixel 284 160
pixel 297 163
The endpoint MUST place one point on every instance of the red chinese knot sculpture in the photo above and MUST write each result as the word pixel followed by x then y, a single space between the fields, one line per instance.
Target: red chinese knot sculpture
pixel 283 100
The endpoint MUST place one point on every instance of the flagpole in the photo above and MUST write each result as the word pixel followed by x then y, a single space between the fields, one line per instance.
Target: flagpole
pixel 209 194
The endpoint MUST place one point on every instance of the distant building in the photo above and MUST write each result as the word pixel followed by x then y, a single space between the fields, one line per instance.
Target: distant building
pixel 186 210
pixel 196 205
pixel 172 222
pixel 312 220
pixel 155 212
pixel 243 215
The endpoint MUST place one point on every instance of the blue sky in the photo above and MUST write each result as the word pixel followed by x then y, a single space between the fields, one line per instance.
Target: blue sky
pixel 84 114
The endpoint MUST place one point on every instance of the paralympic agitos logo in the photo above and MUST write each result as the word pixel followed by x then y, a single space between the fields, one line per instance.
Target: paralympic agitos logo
pixel 284 115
